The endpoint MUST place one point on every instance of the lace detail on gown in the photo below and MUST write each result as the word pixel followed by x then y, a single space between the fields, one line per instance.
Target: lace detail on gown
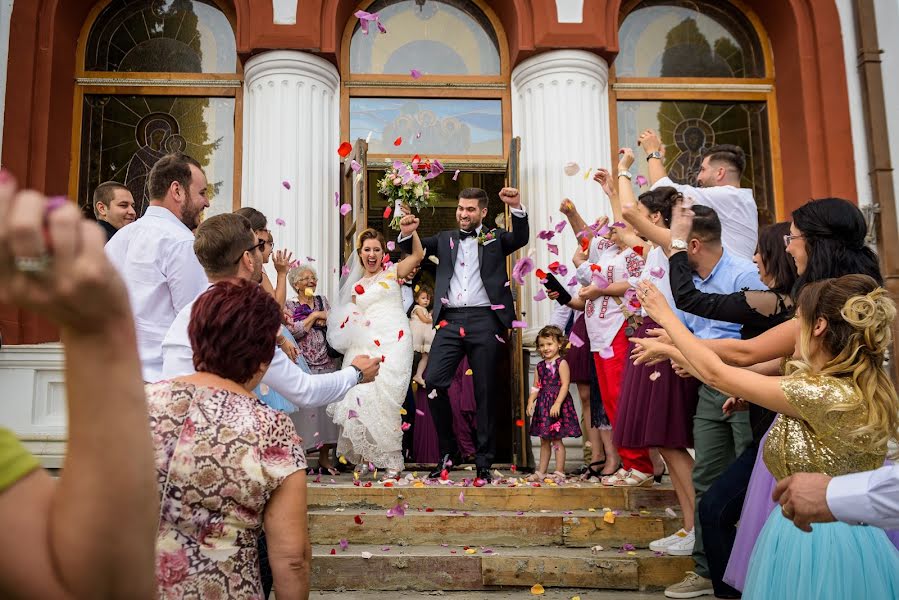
pixel 369 414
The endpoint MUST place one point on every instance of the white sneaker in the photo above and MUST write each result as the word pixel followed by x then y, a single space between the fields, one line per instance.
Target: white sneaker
pixel 682 546
pixel 661 544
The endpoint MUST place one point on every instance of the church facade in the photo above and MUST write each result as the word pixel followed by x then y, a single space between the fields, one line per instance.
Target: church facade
pixel 263 93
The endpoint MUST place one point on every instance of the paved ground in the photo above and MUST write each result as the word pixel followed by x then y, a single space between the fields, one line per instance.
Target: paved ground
pixel 551 594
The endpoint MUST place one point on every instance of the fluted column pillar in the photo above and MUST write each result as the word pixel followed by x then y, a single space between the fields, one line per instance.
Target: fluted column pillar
pixel 560 109
pixel 291 131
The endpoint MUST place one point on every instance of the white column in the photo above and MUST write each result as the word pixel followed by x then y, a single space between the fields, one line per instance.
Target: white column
pixel 291 133
pixel 560 109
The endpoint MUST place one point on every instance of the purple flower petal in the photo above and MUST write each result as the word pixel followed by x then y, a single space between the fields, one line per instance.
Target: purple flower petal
pixel 572 281
pixel 562 270
pixel 606 352
pixel 553 249
pixel 546 234
pixel 280 222
pixel 351 414
pixel 522 268
pixel 286 184
pixel 345 208
pixel 519 324
pixel 381 27
pixel 641 181
pixel 540 295
pixel 336 198
pixel 560 226
pixel 499 339
pixel 355 166
pixel 575 340
pixel 415 73
pixel 657 272
pixel 599 280
pixel 310 259
pixel 391 245
pixel 619 225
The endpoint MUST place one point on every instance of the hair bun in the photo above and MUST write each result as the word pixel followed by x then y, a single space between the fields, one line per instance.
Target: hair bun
pixel 871 314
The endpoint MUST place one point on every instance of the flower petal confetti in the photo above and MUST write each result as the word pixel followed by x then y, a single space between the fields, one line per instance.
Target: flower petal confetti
pixel 344 149
pixel 540 295
pixel 606 352
pixel 461 332
pixel 670 512
pixel 355 166
pixel 499 339
pixel 351 414
pixel 433 394
pixel 387 212
pixel 344 544
pixel 365 555
pixel 415 74
pixel 456 174
pixel 571 169
pixel 345 209
pixel 553 249
pixel 654 375
pixel 462 497
pixel 522 268
pixel 537 590
pixel 280 222
pixel 381 27
pixel 576 341
pixel 398 141
pixel 358 520
pixel 657 272
pixel 640 180
pixel 560 226
pixel 286 184
pixel 519 325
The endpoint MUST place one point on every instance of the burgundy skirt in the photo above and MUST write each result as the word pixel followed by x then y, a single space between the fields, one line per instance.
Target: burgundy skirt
pixel 580 360
pixel 655 413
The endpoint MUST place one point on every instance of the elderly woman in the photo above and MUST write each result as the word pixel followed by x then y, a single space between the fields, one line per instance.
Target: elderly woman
pixel 307 316
pixel 226 463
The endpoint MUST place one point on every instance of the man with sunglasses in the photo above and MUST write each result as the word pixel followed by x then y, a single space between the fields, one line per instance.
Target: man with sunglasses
pixel 155 255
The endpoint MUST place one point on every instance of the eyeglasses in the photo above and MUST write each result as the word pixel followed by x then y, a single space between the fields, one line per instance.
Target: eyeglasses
pixel 790 238
pixel 260 246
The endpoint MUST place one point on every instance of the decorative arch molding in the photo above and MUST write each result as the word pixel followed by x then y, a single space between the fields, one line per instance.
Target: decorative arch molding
pixel 812 95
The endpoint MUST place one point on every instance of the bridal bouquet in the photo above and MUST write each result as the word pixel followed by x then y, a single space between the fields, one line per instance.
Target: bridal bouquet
pixel 408 184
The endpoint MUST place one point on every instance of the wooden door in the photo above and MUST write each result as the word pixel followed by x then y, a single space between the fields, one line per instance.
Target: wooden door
pixel 353 191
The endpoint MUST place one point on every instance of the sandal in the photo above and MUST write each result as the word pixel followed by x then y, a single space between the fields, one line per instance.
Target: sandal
pixel 594 469
pixel 612 479
pixel 536 476
pixel 635 478
pixel 559 475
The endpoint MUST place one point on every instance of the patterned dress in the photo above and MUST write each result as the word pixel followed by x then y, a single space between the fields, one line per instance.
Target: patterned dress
pixel 542 425
pixel 219 458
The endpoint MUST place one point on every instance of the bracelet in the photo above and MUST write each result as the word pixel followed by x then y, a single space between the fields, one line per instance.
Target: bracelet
pixel 625 173
pixel 655 154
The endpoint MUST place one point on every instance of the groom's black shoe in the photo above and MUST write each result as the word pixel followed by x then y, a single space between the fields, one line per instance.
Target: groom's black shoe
pixel 446 464
pixel 484 473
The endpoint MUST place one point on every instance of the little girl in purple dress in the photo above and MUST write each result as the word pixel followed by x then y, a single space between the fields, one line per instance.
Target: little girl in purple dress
pixel 550 406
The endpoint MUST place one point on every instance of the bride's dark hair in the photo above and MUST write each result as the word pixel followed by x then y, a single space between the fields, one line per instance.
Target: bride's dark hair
pixel 371 234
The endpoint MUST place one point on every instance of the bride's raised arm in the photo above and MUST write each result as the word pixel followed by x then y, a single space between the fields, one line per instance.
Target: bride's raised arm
pixel 409 226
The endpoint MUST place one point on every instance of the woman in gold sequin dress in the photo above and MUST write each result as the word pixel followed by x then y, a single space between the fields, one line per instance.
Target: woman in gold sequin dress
pixel 837 411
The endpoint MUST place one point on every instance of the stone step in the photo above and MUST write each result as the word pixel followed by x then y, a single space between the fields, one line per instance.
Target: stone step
pixel 568 496
pixel 500 594
pixel 576 529
pixel 436 567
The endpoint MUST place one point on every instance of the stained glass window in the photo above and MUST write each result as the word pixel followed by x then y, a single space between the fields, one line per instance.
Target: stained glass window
pixel 688 128
pixel 176 36
pixel 434 126
pixel 687 38
pixel 122 137
pixel 436 37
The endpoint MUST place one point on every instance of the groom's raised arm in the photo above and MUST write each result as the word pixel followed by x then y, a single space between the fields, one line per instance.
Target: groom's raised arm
pixel 519 233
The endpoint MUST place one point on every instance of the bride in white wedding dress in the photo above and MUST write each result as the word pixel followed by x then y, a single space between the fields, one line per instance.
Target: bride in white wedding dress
pixel 370 320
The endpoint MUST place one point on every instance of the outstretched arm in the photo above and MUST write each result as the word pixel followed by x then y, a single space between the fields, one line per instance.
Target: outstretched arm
pixel 629 209
pixel 409 226
pixel 519 233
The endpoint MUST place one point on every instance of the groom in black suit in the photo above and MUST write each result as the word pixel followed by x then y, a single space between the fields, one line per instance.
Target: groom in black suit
pixel 473 309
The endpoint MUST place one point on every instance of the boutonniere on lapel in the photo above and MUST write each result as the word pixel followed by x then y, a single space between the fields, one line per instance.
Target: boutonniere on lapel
pixel 485 237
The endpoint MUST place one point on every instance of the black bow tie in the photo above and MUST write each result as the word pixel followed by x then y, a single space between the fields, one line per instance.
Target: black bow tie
pixel 467 234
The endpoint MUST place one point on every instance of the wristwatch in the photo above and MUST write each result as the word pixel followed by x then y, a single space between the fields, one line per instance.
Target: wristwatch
pixel 625 173
pixel 678 244
pixel 655 154
pixel 359 375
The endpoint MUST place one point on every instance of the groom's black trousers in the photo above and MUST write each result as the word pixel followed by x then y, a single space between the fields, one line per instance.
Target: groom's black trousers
pixel 481 328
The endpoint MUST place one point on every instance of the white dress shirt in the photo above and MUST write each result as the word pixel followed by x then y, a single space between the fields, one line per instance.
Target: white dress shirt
pixel 466 287
pixel 736 210
pixel 408 296
pixel 155 256
pixel 288 379
pixel 868 498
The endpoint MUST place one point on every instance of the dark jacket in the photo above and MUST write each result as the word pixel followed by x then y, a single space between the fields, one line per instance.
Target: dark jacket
pixel 492 260
pixel 107 228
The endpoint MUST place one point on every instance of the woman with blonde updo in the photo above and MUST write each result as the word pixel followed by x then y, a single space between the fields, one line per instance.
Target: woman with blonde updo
pixel 837 412
pixel 369 320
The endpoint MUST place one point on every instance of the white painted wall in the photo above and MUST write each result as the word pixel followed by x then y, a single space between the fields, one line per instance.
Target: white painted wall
pixel 5 16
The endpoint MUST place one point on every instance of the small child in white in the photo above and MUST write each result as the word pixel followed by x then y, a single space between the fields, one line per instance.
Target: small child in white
pixel 550 406
pixel 422 325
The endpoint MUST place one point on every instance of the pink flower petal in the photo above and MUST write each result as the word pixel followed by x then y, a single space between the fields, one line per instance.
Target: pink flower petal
pixel 286 184
pixel 560 226
pixel 419 412
pixel 433 394
pixel 415 73
pixel 345 208
pixel 540 295
pixel 381 27
pixel 654 375
pixel 553 249
pixel 406 426
pixel 572 281
pixel 562 270
pixel 345 270
pixel 519 324
pixel 657 272
pixel 606 353
pixel 575 340
pixel 603 231
pixel 336 198
pixel 351 414
pixel 546 234
pixel 456 175
pixel 599 281
pixel 619 225
pixel 497 306
pixel 462 496
pixel 641 181
pixel 522 268
pixel 344 544
pixel 444 301
pixel 391 245
pixel 499 339
pixel 355 166
pixel 452 243
pixel 280 222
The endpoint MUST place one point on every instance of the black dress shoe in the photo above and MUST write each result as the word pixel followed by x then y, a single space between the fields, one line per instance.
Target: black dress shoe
pixel 484 473
pixel 446 464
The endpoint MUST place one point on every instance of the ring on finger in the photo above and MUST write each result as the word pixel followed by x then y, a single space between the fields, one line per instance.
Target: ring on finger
pixel 786 513
pixel 31 264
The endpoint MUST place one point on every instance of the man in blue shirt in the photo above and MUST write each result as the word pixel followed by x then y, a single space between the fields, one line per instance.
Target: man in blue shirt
pixel 718 438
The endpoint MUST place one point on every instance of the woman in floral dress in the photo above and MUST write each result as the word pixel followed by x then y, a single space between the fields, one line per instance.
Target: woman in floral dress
pixel 226 463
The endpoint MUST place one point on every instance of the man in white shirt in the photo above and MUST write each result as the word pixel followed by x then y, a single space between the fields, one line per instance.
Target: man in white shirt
pixel 155 256
pixel 227 248
pixel 718 188
pixel 867 498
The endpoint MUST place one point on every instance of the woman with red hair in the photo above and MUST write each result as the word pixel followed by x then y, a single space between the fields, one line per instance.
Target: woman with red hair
pixel 226 463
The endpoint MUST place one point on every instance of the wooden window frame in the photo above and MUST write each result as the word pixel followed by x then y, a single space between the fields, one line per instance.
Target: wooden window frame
pixel 207 85
pixel 461 87
pixel 685 89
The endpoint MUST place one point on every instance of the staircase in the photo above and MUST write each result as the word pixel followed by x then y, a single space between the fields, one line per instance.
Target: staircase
pixel 506 535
